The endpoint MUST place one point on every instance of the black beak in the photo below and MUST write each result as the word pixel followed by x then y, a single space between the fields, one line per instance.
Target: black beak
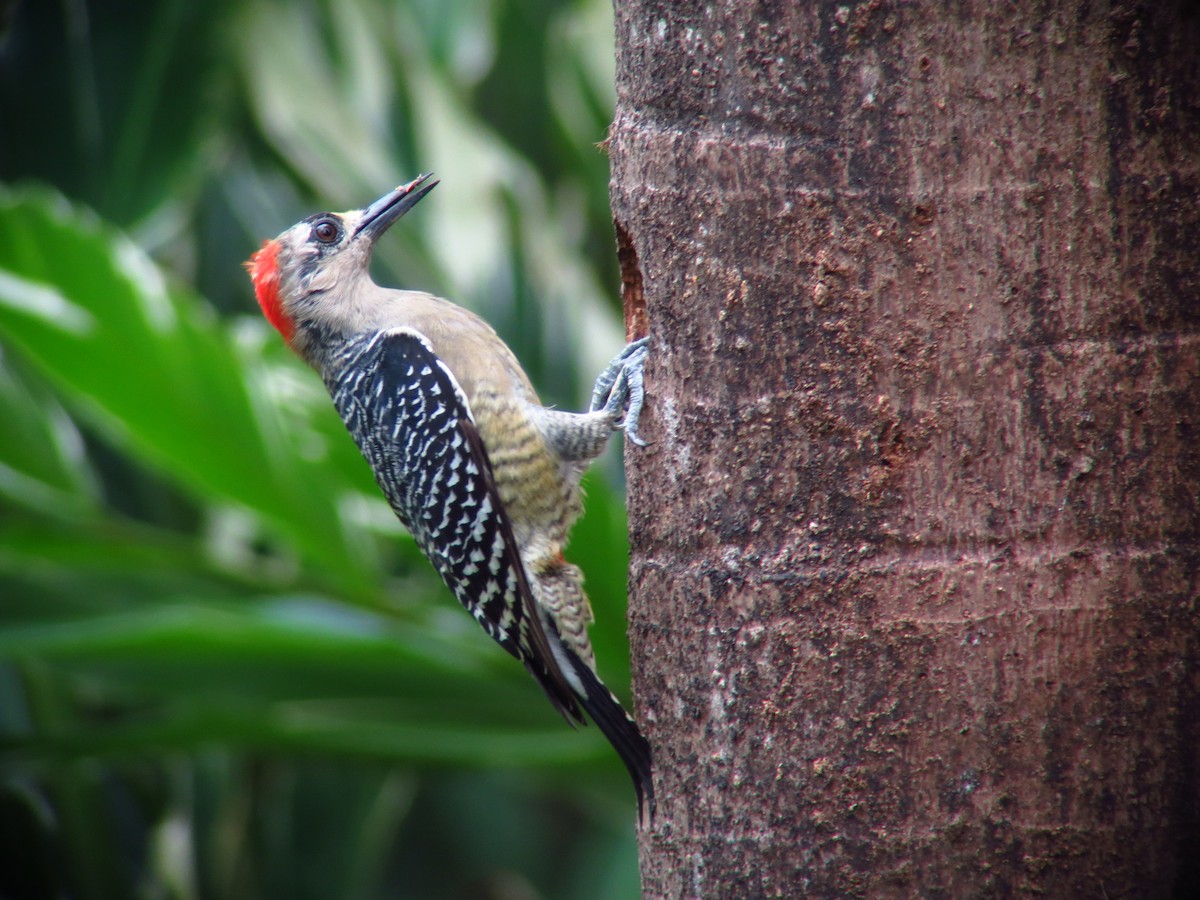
pixel 381 214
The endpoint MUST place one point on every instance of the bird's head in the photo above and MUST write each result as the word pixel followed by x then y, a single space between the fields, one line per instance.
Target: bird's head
pixel 325 252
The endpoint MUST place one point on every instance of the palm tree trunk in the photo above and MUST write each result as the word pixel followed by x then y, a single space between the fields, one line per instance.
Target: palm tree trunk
pixel 915 546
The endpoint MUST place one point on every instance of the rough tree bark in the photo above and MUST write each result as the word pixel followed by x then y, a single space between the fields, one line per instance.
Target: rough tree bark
pixel 915 547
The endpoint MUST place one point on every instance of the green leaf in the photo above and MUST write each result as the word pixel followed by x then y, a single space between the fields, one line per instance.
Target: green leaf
pixel 293 674
pixel 151 366
pixel 42 462
pixel 134 89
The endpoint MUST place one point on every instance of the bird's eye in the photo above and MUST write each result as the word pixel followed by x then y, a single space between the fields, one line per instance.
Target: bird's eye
pixel 326 231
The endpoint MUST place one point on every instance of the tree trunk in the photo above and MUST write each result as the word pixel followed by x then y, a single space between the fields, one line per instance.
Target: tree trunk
pixel 915 545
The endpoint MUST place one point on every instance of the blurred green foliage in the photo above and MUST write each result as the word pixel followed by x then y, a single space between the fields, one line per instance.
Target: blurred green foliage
pixel 225 672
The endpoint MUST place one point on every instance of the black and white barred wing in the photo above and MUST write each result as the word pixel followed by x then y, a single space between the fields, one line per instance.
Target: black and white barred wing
pixel 413 424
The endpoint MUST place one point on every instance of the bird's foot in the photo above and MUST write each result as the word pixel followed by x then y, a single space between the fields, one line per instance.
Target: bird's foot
pixel 619 388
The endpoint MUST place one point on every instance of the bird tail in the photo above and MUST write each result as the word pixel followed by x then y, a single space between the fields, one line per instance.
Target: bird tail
pixel 620 729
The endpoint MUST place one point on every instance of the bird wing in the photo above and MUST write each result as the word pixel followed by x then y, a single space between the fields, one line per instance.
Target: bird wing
pixel 412 422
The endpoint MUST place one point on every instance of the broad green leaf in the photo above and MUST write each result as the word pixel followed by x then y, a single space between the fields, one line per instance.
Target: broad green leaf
pixel 296 674
pixel 42 461
pixel 164 379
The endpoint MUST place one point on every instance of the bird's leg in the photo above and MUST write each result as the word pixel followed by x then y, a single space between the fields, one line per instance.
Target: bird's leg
pixel 619 388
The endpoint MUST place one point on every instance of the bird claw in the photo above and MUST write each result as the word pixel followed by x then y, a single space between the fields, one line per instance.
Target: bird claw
pixel 619 387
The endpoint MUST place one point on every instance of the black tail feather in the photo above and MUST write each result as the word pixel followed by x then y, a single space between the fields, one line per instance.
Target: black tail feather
pixel 622 732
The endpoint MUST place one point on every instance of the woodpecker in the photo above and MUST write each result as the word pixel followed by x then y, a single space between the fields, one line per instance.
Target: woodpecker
pixel 483 475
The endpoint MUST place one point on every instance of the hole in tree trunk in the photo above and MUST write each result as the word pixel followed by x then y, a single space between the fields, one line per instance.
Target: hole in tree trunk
pixel 637 323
